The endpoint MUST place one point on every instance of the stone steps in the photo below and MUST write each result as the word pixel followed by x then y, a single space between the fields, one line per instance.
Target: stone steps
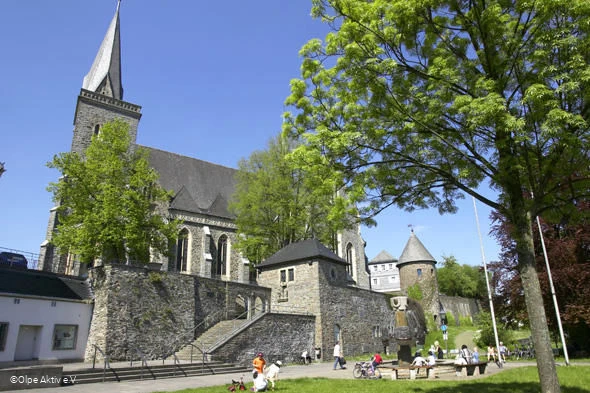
pixel 209 338
pixel 117 374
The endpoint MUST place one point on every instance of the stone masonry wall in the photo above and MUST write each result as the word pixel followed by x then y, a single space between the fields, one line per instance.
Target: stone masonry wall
pixel 279 336
pixel 138 309
pixel 158 312
pixel 460 307
pixel 364 317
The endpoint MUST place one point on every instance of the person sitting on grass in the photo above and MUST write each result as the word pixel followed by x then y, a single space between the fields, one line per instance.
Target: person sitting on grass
pixel 259 382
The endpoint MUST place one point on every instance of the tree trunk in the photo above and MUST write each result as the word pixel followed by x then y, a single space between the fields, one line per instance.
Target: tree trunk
pixel 534 302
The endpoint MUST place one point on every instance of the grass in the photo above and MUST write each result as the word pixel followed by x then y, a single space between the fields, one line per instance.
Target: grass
pixel 573 379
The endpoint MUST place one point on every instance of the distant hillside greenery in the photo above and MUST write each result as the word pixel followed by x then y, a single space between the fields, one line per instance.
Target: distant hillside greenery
pixel 461 280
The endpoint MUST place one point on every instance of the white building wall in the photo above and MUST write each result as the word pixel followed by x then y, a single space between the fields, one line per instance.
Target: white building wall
pixel 384 277
pixel 44 314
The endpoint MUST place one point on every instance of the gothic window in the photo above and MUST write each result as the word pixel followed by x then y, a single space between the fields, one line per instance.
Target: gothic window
pixel 221 256
pixel 182 251
pixel 349 258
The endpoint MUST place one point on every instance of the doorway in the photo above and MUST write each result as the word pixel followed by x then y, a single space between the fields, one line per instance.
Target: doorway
pixel 27 343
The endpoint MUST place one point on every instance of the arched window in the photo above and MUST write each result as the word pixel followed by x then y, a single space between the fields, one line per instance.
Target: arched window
pixel 221 256
pixel 96 129
pixel 182 251
pixel 349 259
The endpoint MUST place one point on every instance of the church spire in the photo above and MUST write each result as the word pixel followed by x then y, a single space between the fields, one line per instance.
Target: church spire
pixel 104 76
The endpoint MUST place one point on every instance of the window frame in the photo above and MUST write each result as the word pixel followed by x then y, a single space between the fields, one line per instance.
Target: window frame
pixel 3 335
pixel 56 340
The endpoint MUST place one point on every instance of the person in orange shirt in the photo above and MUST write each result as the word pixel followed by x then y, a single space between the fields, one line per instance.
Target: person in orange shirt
pixel 259 363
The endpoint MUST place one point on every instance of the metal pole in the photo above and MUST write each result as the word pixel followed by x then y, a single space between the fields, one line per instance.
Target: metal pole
pixel 485 271
pixel 567 359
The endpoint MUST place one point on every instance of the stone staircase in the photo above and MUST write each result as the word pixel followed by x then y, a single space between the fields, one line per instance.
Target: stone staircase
pixel 212 336
pixel 152 370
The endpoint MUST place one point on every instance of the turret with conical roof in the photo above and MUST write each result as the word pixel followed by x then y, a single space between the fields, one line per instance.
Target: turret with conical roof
pixel 417 269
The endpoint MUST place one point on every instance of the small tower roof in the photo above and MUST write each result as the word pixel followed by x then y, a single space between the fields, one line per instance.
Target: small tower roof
pixel 415 252
pixel 106 68
pixel 303 250
pixel 383 257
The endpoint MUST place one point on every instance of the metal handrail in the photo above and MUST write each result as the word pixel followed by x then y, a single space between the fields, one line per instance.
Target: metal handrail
pixel 143 360
pixel 177 343
pixel 105 360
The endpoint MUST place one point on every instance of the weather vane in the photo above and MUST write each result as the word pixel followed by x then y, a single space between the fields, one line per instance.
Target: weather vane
pixel 411 226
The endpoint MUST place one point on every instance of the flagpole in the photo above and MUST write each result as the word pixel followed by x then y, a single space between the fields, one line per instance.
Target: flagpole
pixel 485 271
pixel 565 354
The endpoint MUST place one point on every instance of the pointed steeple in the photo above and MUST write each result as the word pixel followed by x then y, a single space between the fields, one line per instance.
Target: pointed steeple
pixel 104 76
pixel 415 252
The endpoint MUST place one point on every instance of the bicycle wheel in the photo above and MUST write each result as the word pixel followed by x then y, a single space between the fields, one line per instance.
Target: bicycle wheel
pixel 357 372
pixel 376 374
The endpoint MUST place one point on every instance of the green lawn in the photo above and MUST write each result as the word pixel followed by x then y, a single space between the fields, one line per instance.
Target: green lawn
pixel 573 379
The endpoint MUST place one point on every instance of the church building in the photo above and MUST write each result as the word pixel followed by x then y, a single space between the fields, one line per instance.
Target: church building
pixel 206 238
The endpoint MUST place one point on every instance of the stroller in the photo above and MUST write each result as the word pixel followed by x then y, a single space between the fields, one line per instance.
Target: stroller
pixel 237 385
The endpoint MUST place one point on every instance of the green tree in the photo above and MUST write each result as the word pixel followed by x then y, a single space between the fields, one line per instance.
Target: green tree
pixel 485 335
pixel 108 201
pixel 417 103
pixel 277 204
pixel 460 280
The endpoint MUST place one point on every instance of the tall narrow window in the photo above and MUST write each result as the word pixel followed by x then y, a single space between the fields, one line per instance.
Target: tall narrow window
pixel 182 251
pixel 97 129
pixel 3 334
pixel 349 257
pixel 419 272
pixel 221 255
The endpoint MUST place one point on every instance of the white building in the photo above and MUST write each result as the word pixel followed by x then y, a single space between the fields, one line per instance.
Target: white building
pixel 43 316
pixel 384 273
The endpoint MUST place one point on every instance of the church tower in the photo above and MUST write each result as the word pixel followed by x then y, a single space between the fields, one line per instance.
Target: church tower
pixel 100 101
pixel 101 97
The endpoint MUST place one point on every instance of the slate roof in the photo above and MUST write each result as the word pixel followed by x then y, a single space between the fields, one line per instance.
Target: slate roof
pixel 383 257
pixel 107 63
pixel 415 252
pixel 198 186
pixel 303 250
pixel 46 284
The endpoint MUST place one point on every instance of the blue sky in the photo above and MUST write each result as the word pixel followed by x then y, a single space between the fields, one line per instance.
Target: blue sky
pixel 211 78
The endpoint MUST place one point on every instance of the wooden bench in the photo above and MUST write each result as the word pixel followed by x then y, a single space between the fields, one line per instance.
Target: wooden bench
pixel 467 370
pixel 412 371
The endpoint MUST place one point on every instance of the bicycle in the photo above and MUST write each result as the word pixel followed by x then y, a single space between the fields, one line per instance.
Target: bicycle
pixel 365 370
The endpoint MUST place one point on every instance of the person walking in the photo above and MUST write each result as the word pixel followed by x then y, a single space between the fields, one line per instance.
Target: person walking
pixel 338 356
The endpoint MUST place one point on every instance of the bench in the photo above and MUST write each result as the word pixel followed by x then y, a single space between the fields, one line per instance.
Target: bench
pixel 467 370
pixel 412 371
